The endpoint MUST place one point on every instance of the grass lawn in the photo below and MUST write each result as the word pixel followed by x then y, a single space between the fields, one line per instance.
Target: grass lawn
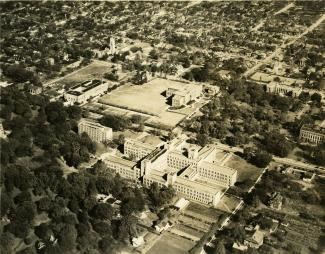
pixel 206 213
pixel 95 70
pixel 173 244
pixel 245 170
pixel 228 203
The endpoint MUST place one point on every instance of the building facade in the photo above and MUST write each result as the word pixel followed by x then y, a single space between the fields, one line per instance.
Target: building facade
pixel 275 87
pixel 35 90
pixel 312 134
pixel 137 149
pixel 95 131
pixel 124 168
pixel 84 91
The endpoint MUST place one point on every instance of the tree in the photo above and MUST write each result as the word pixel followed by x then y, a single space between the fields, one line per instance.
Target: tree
pixel 320 156
pixel 261 158
pixel 105 245
pixel 20 229
pixel 277 144
pixel 316 97
pixel 153 54
pixel 121 139
pixel 7 242
pixel 102 211
pixel 219 249
pixel 304 96
pixel 67 237
pixel 117 123
pixel 22 197
pixel 74 112
pixel 103 228
pixel 202 139
pixel 238 233
pixel 111 76
pixel 24 212
pixel 103 185
pixel 6 203
pixel 43 231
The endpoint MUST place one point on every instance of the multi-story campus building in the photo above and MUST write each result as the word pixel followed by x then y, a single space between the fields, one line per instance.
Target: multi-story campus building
pixel 82 92
pixel 313 134
pixel 124 168
pixel 137 149
pixel 182 97
pixel 95 131
pixel 197 173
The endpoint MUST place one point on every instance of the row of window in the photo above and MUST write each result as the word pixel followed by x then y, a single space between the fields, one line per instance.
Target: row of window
pixel 124 172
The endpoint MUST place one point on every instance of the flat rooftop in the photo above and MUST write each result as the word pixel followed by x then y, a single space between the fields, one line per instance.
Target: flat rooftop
pixel 140 144
pixel 91 122
pixel 217 167
pixel 84 87
pixel 119 160
pixel 199 185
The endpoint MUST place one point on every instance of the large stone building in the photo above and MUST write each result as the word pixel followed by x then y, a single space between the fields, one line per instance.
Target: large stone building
pixel 183 96
pixel 95 131
pixel 275 87
pixel 84 91
pixel 196 173
pixel 313 134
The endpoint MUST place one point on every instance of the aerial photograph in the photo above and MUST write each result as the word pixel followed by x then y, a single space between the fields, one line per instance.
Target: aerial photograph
pixel 162 127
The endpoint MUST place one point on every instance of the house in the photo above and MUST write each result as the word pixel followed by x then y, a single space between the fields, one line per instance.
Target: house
pixel 35 89
pixel 137 241
pixel 254 239
pixel 210 90
pixel 162 226
pixel 309 178
pixel 181 204
pixel 2 131
pixel 274 226
pixel 275 201
pixel 50 61
pixel 225 74
pixel 239 246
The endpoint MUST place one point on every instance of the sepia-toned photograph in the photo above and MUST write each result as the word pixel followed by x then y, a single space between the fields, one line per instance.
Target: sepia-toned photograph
pixel 162 127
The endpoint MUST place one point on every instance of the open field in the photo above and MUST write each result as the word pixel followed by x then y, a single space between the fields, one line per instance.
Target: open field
pixel 149 98
pixel 228 203
pixel 170 243
pixel 246 171
pixel 202 212
pixel 95 70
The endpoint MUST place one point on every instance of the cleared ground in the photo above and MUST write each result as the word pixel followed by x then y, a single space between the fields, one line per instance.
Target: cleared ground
pixel 170 243
pixel 150 99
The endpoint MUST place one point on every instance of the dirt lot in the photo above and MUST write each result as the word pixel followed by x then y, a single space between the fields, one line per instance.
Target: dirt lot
pixel 149 98
pixel 170 243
